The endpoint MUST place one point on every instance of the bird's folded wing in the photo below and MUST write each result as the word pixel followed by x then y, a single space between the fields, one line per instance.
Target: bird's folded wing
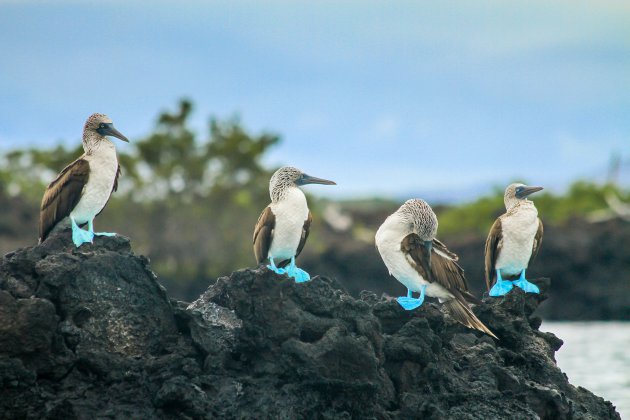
pixel 305 230
pixel 537 241
pixel 263 234
pixel 493 247
pixel 444 269
pixel 442 249
pixel 62 195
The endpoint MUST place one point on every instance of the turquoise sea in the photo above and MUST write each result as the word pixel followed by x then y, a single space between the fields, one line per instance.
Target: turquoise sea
pixel 596 356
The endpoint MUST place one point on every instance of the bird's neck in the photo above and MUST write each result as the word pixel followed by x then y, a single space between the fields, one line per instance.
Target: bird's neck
pixel 279 193
pixel 400 223
pixel 97 145
pixel 518 205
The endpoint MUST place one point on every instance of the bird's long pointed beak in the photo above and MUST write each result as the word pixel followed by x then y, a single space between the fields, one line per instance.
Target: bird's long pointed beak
pixel 115 133
pixel 111 131
pixel 307 179
pixel 529 190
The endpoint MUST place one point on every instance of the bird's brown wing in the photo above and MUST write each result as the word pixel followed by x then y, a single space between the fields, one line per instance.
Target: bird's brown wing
pixel 494 243
pixel 418 255
pixel 447 267
pixel 440 247
pixel 62 195
pixel 263 234
pixel 114 188
pixel 305 230
pixel 443 267
pixel 448 274
pixel 537 241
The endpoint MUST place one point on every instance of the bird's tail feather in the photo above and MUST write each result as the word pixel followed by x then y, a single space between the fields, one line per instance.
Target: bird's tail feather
pixel 465 316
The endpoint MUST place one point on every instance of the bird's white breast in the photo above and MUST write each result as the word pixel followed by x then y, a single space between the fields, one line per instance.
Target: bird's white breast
pixel 290 212
pixel 103 167
pixel 518 231
pixel 388 241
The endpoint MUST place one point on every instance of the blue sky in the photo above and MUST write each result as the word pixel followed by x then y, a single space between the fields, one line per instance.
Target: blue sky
pixel 416 98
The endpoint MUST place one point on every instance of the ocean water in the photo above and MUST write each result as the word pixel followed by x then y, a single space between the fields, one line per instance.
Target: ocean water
pixel 596 356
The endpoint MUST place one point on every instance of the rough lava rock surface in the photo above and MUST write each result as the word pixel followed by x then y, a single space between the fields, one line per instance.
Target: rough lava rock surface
pixel 90 333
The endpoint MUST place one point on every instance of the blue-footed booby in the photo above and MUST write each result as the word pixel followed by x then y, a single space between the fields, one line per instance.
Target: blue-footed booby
pixel 283 226
pixel 513 242
pixel 83 188
pixel 423 264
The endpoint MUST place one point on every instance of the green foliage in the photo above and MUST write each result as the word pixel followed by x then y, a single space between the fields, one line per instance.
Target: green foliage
pixel 173 162
pixel 174 158
pixel 579 201
pixel 25 172
pixel 476 217
pixel 188 201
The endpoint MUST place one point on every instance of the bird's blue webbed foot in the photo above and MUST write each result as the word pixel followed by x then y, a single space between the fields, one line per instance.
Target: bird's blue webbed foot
pixel 80 236
pixel 526 285
pixel 91 228
pixel 501 287
pixel 298 274
pixel 272 267
pixel 409 302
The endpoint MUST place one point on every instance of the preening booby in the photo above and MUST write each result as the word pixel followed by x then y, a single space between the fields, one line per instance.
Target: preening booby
pixel 283 226
pixel 412 254
pixel 82 189
pixel 513 242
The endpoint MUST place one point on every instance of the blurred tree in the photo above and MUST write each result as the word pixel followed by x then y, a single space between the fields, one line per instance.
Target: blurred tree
pixel 190 202
pixel 26 172
pixel 238 155
pixel 172 161
pixel 171 158
pixel 578 201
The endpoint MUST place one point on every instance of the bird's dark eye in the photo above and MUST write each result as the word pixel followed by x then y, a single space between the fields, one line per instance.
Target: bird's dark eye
pixel 102 125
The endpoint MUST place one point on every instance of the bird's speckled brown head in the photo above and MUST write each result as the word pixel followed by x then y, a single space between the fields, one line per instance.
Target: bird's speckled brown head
pixel 421 217
pixel 287 177
pixel 516 193
pixel 96 128
pixel 93 122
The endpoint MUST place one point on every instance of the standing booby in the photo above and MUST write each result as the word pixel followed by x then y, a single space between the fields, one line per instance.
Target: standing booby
pixel 513 242
pixel 412 254
pixel 283 226
pixel 83 188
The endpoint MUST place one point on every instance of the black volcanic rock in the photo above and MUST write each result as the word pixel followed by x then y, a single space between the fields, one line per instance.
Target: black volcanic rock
pixel 90 333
